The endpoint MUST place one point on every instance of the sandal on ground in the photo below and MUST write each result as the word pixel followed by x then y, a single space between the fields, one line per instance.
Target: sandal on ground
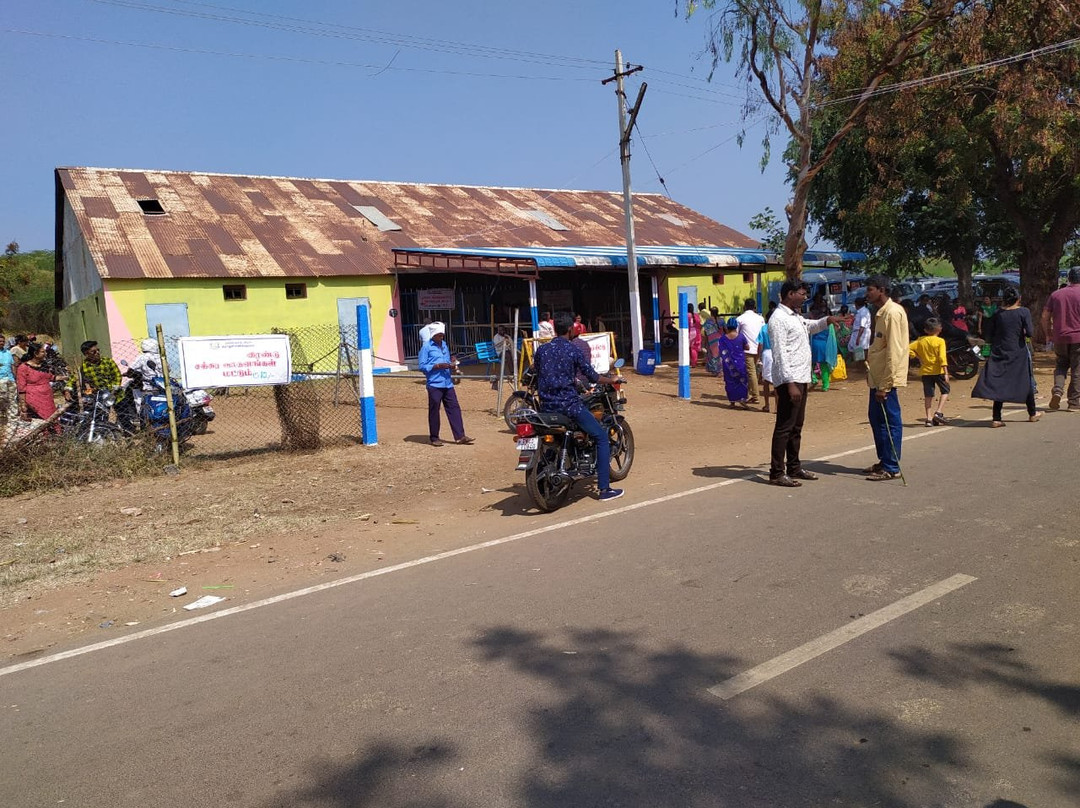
pixel 1035 417
pixel 766 408
pixel 802 474
pixel 874 469
pixel 997 424
pixel 1055 401
pixel 753 400
pixel 929 422
pixel 882 475
pixel 784 481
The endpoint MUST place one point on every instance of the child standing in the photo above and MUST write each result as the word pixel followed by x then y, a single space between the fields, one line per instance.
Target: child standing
pixel 929 349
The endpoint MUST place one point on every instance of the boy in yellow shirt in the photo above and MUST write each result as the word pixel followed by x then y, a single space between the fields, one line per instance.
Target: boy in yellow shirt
pixel 929 349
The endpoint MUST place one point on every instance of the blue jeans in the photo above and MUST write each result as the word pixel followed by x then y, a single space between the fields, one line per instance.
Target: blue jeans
pixel 889 459
pixel 587 421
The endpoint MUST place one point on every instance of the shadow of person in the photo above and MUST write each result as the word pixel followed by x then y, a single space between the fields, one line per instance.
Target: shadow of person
pixel 748 473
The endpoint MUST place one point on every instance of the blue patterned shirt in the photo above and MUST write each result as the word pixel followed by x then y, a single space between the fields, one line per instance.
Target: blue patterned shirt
pixel 558 364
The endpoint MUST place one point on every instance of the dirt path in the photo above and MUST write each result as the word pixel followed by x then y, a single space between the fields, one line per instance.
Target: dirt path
pixel 73 564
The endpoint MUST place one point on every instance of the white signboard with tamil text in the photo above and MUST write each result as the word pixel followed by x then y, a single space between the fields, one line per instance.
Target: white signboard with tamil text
pixel 241 361
pixel 599 350
pixel 435 299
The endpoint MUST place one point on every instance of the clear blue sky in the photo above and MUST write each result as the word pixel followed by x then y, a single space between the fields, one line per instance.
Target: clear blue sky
pixel 316 111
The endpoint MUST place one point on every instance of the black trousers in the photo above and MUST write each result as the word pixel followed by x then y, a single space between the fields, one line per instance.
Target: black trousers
pixel 1030 406
pixel 787 434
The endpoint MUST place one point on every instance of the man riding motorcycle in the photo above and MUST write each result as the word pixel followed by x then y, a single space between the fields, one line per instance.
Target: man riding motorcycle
pixel 557 365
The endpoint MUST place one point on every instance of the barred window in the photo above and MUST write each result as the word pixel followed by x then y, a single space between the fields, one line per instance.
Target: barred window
pixel 234 291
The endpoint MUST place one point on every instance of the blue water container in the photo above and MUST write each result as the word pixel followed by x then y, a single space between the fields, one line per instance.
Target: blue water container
pixel 646 361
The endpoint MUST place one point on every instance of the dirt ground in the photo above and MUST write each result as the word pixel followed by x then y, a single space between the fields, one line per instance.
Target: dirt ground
pixel 85 564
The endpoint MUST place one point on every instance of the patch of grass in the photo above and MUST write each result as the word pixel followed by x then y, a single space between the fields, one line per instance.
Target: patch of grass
pixel 56 464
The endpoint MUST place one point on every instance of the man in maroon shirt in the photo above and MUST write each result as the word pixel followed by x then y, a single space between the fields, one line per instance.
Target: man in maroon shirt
pixel 1063 310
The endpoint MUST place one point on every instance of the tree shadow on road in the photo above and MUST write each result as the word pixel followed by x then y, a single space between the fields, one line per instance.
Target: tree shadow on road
pixel 630 725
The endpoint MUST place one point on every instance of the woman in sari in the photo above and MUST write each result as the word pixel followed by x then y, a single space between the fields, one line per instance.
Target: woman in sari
pixel 694 327
pixel 34 386
pixel 733 348
pixel 823 352
pixel 712 330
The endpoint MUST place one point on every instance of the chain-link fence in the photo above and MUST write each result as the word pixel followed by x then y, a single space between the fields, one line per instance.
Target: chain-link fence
pixel 319 407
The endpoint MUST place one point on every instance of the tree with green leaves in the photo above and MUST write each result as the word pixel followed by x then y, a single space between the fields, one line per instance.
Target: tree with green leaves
pixel 767 223
pixel 981 134
pixel 782 47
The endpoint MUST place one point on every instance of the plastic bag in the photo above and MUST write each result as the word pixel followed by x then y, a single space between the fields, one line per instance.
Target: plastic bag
pixel 840 371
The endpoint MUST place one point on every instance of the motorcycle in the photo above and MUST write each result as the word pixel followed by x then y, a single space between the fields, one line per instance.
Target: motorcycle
pixel 90 423
pixel 153 408
pixel 528 398
pixel 963 358
pixel 201 411
pixel 554 452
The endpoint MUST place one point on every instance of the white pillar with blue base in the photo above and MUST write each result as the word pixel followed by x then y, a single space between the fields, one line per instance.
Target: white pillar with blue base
pixel 366 377
pixel 684 348
pixel 656 317
pixel 532 306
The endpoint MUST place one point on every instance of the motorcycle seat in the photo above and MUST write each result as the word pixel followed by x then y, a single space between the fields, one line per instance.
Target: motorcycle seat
pixel 553 419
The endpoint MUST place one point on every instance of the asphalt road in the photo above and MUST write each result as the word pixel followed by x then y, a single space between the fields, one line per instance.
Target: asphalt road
pixel 573 667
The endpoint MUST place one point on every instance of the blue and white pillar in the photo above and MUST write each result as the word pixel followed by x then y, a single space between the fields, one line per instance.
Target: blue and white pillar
pixel 656 317
pixel 366 378
pixel 684 348
pixel 532 306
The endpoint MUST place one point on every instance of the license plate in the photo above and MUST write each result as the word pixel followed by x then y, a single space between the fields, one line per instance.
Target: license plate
pixel 525 444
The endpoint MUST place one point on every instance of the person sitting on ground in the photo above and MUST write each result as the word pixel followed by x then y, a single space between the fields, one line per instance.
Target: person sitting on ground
pixel 929 349
pixel 557 365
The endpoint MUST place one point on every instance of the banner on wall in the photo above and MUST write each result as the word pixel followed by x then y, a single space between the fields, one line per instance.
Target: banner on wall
pixel 435 299
pixel 242 361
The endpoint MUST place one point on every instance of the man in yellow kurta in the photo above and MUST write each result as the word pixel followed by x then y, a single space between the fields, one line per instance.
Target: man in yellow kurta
pixel 886 370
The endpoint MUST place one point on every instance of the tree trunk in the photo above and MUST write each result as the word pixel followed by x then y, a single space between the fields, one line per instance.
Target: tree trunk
pixel 963 262
pixel 1038 279
pixel 795 244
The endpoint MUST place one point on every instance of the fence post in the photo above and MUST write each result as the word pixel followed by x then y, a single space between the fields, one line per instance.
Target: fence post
pixel 365 378
pixel 684 348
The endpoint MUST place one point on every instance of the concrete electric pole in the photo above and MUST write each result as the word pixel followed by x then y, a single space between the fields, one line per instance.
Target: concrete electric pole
pixel 625 127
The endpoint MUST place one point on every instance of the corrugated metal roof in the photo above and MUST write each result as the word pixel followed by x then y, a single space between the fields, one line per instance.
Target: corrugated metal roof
pixel 230 225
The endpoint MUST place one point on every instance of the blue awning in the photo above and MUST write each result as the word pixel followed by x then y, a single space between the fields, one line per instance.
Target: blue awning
pixel 526 261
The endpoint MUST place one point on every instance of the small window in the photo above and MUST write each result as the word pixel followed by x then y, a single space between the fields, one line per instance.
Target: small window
pixel 718 279
pixel 151 207
pixel 748 277
pixel 234 291
pixel 295 291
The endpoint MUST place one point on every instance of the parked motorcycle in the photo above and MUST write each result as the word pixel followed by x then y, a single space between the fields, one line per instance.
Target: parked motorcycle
pixel 963 359
pixel 554 452
pixel 90 423
pixel 201 411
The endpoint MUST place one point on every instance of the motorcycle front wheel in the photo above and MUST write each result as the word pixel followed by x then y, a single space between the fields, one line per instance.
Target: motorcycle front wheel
pixel 519 400
pixel 622 450
pixel 547 490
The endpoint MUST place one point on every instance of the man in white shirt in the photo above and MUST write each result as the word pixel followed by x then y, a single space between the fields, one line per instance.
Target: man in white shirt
pixel 547 327
pixel 750 323
pixel 789 336
pixel 859 340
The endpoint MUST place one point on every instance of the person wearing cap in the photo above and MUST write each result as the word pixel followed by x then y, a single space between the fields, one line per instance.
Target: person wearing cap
pixel 558 364
pixel 789 335
pixel 99 372
pixel 436 364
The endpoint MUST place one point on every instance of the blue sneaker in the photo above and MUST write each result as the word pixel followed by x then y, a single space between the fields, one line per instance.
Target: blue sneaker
pixel 610 493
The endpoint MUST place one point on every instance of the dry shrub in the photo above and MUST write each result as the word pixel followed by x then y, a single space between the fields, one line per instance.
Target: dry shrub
pixel 298 412
pixel 54 462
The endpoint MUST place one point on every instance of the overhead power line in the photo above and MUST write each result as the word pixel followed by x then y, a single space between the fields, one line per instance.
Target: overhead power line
pixel 296 59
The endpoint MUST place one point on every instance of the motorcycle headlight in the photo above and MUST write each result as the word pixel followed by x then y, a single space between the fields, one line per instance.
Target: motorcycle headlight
pixel 108 399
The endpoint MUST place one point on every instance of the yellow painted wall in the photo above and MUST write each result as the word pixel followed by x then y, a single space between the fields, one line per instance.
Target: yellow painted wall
pixel 265 307
pixel 728 296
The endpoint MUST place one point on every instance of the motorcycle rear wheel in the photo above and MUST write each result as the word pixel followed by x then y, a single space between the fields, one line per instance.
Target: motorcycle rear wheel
pixel 967 368
pixel 622 452
pixel 547 491
pixel 519 400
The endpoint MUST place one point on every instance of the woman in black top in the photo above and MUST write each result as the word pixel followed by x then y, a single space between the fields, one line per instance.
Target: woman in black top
pixel 1006 376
